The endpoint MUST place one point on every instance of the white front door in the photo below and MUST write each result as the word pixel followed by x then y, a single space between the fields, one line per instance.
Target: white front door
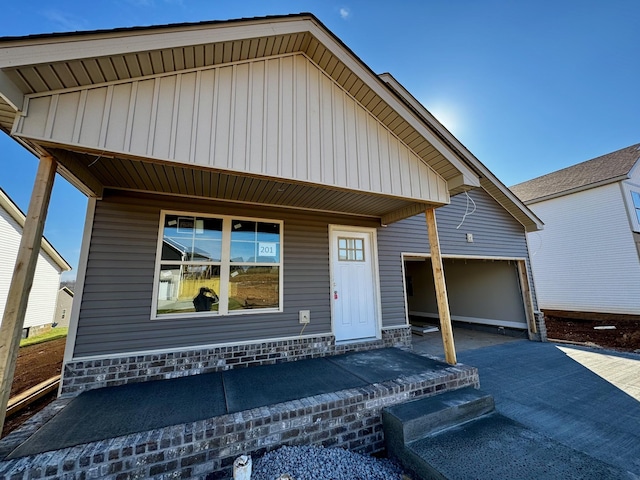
pixel 354 293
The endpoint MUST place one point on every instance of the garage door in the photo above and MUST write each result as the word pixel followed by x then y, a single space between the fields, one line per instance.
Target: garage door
pixel 483 291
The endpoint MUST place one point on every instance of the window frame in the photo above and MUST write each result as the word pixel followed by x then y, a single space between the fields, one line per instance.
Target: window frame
pixel 225 268
pixel 347 249
pixel 636 208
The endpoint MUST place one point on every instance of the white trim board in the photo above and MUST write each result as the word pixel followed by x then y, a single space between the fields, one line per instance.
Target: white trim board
pixel 375 267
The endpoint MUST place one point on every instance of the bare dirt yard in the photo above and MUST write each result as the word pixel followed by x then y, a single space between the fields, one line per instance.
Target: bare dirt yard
pixel 36 364
pixel 615 332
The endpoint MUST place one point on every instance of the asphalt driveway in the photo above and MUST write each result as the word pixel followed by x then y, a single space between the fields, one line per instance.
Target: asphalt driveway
pixel 587 399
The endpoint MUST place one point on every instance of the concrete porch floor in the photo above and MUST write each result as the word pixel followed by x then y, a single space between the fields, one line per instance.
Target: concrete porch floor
pixel 194 427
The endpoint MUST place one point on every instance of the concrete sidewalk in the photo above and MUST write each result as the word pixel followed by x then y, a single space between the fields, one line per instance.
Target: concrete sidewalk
pixel 586 399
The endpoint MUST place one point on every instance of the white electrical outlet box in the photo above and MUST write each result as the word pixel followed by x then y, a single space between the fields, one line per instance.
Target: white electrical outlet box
pixel 304 316
pixel 470 237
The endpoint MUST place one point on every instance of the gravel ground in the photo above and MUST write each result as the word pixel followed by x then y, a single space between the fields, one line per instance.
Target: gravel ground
pixel 317 463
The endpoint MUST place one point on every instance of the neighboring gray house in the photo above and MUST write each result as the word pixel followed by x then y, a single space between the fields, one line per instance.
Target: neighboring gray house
pixel 297 178
pixel 42 300
pixel 587 258
pixel 63 307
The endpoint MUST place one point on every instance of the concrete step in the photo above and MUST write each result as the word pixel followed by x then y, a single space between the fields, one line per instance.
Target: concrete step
pixel 494 446
pixel 459 435
pixel 410 421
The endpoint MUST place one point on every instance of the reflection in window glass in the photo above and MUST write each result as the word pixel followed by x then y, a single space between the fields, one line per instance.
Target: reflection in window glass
pixel 255 242
pixel 350 249
pixel 180 288
pixel 192 239
pixel 636 203
pixel 254 287
pixel 193 255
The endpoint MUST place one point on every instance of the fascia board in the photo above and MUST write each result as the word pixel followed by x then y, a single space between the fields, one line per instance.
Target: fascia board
pixel 21 52
pixel 377 85
pixel 634 170
pixel 477 164
pixel 11 93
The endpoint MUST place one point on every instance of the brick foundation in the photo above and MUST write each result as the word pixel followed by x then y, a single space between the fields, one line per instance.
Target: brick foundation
pixel 206 449
pixel 82 375
pixel 542 327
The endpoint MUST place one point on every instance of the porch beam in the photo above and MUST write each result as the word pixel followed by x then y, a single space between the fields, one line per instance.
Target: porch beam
pixel 22 280
pixel 402 213
pixel 441 288
pixel 78 174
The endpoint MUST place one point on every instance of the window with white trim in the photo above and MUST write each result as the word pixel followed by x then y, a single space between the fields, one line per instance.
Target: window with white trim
pixel 216 265
pixel 635 196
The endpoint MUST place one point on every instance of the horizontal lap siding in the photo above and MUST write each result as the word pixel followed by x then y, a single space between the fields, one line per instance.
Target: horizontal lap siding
pixel 46 281
pixel 586 259
pixel 495 233
pixel 116 305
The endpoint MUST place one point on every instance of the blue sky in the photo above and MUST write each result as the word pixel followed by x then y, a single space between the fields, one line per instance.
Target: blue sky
pixel 528 86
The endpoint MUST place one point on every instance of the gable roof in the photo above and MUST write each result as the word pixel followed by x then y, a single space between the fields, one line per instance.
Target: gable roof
pixel 58 64
pixel 55 62
pixel 609 168
pixel 47 72
pixel 66 290
pixel 14 211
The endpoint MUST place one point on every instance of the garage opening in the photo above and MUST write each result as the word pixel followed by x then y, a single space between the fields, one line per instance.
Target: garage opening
pixel 484 294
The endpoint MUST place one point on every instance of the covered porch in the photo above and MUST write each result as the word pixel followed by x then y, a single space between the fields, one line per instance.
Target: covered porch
pixel 195 426
pixel 272 114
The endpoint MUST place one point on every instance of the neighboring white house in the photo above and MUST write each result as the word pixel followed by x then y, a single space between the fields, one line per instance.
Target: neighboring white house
pixel 587 258
pixel 44 293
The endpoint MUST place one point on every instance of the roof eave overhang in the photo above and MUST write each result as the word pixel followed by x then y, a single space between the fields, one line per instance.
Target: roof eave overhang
pixel 499 192
pixel 48 49
pixel 581 188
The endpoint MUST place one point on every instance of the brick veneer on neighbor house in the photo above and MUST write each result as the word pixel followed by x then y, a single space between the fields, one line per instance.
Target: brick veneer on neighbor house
pixel 206 449
pixel 88 374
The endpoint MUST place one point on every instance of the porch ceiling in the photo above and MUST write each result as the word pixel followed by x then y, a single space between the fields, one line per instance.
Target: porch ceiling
pixel 172 179
pixel 46 63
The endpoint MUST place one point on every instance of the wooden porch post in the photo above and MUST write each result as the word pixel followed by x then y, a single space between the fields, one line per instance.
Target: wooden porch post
pixel 441 288
pixel 23 273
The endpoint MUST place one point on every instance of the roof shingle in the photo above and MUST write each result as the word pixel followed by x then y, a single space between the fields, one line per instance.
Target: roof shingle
pixel 596 171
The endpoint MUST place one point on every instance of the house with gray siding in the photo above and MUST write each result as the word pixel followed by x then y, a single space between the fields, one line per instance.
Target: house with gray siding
pixel 257 194
pixel 63 307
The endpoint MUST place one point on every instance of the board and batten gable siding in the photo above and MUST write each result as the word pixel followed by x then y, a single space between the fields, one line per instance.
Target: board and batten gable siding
pixel 281 117
pixel 585 259
pixel 495 233
pixel 46 281
pixel 116 303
